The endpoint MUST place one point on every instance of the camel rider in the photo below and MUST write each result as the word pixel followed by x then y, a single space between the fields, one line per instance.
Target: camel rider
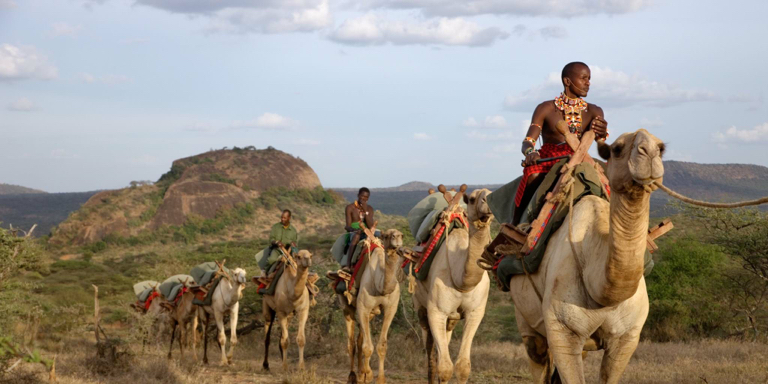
pixel 358 214
pixel 580 116
pixel 284 236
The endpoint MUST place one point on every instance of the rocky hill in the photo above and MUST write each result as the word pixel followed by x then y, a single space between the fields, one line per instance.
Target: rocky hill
pixel 10 189
pixel 201 194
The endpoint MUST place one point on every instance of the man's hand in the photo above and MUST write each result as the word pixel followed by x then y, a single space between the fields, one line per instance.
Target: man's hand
pixel 280 244
pixel 600 127
pixel 531 158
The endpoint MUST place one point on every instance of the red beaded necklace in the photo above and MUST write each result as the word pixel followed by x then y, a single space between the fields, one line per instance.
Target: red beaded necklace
pixel 571 109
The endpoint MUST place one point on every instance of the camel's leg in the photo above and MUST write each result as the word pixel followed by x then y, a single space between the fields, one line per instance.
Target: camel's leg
pixel 617 355
pixel 429 345
pixel 538 358
pixel 173 334
pixel 284 340
pixel 195 321
pixel 381 348
pixel 232 331
pixel 206 323
pixel 566 347
pixel 301 338
pixel 364 319
pixel 222 338
pixel 438 322
pixel 349 319
pixel 182 339
pixel 269 317
pixel 449 326
pixel 360 354
pixel 471 323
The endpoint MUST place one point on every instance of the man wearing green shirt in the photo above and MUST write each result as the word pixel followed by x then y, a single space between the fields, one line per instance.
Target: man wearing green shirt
pixel 283 235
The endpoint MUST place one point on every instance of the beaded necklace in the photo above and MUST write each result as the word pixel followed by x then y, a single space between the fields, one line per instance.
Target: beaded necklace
pixel 572 109
pixel 361 211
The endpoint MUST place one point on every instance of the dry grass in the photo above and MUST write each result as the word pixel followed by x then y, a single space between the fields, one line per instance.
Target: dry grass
pixel 493 362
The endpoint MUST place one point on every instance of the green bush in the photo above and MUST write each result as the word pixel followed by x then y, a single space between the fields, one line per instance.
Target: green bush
pixel 685 291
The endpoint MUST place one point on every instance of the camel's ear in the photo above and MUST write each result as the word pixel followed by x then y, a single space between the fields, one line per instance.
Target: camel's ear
pixel 604 150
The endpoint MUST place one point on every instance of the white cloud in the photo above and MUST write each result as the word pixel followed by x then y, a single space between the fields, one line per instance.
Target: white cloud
pixel 421 136
pixel 758 134
pixel 270 121
pixel 7 4
pixel 485 136
pixel 106 79
pixel 24 62
pixel 553 32
pixel 612 88
pixel 557 8
pixel 22 105
pixel 64 29
pixel 496 121
pixel 62 154
pixel 246 16
pixel 370 29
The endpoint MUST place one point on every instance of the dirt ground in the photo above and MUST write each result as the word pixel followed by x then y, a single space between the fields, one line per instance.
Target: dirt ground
pixel 494 362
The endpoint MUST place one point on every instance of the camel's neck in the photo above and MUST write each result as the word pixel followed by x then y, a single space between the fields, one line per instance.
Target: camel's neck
pixel 229 292
pixel 300 281
pixel 386 279
pixel 478 240
pixel 619 276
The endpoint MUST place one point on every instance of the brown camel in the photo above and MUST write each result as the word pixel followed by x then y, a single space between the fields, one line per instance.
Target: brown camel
pixel 379 292
pixel 591 275
pixel 291 296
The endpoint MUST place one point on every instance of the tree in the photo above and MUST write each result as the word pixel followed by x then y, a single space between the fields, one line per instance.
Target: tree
pixel 743 235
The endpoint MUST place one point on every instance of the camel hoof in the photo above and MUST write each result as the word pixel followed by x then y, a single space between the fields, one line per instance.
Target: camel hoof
pixel 265 366
pixel 352 379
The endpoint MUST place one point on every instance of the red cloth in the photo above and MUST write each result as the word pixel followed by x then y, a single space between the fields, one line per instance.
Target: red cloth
pixel 179 295
pixel 547 150
pixel 363 253
pixel 149 299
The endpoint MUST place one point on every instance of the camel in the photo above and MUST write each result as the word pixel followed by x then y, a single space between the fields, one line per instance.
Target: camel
pixel 379 292
pixel 455 288
pixel 225 301
pixel 291 296
pixel 591 280
pixel 181 315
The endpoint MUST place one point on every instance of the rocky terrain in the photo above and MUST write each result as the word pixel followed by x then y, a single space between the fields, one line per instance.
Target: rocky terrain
pixel 202 189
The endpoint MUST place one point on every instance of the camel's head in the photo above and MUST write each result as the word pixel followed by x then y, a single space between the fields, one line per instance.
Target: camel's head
pixel 392 239
pixel 304 258
pixel 634 162
pixel 239 277
pixel 478 211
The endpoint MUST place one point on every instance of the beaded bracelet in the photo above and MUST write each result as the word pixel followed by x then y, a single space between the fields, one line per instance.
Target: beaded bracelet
pixel 528 151
pixel 530 140
pixel 535 125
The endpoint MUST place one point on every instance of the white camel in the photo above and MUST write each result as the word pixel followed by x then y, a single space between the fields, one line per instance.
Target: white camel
pixel 379 292
pixel 291 296
pixel 591 280
pixel 456 288
pixel 225 300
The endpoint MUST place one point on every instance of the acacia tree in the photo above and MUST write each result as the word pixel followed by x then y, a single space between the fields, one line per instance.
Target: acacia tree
pixel 743 235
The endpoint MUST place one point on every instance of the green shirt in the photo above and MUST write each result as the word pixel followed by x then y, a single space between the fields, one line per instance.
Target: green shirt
pixel 283 235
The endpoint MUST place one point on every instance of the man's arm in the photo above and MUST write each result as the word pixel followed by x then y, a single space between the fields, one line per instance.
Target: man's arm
pixel 534 131
pixel 350 219
pixel 598 124
pixel 369 217
pixel 273 235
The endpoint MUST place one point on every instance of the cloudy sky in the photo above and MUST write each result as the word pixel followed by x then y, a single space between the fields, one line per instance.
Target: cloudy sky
pixel 96 93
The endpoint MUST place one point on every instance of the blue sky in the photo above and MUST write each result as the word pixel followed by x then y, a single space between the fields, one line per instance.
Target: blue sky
pixel 96 93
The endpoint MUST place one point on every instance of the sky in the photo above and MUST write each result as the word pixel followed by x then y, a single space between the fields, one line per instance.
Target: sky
pixel 97 93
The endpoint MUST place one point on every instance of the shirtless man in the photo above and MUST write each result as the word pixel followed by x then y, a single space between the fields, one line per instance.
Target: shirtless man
pixel 358 214
pixel 568 106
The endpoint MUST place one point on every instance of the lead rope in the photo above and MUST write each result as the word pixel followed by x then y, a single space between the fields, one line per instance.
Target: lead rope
pixel 707 204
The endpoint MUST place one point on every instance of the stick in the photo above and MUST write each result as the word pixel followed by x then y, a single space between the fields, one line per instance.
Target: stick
pixel 96 313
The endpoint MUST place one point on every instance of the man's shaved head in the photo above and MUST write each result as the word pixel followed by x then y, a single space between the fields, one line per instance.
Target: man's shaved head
pixel 570 68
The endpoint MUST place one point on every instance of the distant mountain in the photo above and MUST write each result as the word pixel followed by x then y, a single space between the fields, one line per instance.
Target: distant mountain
pixel 44 209
pixel 10 189
pixel 711 182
